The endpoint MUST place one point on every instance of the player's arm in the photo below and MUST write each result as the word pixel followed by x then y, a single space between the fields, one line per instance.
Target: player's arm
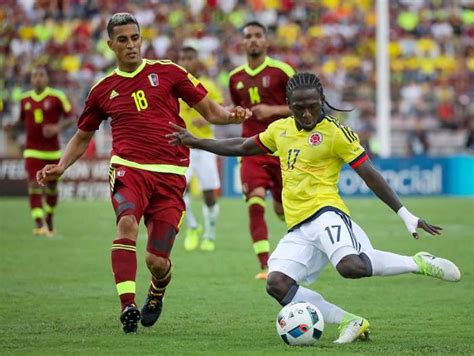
pixel 238 146
pixel 264 111
pixel 11 128
pixel 216 114
pixel 380 187
pixel 74 150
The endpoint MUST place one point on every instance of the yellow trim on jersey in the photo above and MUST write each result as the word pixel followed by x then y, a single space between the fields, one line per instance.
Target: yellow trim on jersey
pixel 268 62
pixel 62 97
pixel 51 92
pixel 101 80
pixel 165 62
pixel 236 70
pixel 159 168
pixel 35 96
pixel 285 67
pixel 126 287
pixel 47 155
pixel 131 74
pixel 261 246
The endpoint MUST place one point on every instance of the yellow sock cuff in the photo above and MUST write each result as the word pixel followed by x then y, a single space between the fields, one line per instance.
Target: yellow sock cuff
pixel 48 209
pixel 261 246
pixel 126 287
pixel 257 201
pixel 37 213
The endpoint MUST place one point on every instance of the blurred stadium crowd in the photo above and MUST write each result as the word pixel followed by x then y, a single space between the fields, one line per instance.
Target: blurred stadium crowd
pixel 431 53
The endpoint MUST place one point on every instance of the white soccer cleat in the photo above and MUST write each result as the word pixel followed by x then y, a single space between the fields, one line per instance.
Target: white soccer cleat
pixel 353 329
pixel 437 267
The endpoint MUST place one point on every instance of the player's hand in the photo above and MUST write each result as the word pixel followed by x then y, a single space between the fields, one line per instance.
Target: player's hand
pixel 50 130
pixel 181 136
pixel 430 229
pixel 8 127
pixel 412 223
pixel 262 111
pixel 48 173
pixel 238 114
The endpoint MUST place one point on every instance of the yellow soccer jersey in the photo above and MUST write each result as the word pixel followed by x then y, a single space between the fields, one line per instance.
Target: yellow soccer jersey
pixel 190 116
pixel 310 164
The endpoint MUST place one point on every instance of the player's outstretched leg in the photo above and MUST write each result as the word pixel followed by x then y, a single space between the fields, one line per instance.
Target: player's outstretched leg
pixel 371 262
pixel 437 267
pixel 259 233
pixel 382 263
pixel 285 290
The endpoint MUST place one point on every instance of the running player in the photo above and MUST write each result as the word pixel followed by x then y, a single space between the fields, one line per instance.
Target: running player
pixel 313 147
pixel 41 110
pixel 260 86
pixel 203 164
pixel 146 173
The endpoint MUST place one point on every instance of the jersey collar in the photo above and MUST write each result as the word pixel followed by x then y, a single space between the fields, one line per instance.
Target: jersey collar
pixel 38 97
pixel 322 117
pixel 131 74
pixel 254 72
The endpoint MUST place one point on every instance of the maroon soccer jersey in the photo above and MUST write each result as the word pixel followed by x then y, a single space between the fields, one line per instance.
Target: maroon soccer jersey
pixel 141 105
pixel 265 84
pixel 38 110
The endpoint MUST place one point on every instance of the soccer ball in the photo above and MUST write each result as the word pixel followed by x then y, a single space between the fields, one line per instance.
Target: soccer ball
pixel 300 324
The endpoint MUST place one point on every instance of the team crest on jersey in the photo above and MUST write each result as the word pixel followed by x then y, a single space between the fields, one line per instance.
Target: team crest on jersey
pixel 315 139
pixel 239 85
pixel 28 106
pixel 120 173
pixel 46 104
pixel 153 78
pixel 266 81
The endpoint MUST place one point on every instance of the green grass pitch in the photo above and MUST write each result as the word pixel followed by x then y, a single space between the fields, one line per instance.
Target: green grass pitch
pixel 57 296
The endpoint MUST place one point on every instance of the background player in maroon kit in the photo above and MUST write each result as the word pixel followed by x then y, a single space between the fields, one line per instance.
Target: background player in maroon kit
pixel 41 110
pixel 147 173
pixel 260 85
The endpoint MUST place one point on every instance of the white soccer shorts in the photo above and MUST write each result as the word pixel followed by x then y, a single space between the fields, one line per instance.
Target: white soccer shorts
pixel 203 165
pixel 304 252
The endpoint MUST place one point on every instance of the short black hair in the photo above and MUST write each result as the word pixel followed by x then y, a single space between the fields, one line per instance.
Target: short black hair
pixel 256 24
pixel 189 49
pixel 121 19
pixel 306 80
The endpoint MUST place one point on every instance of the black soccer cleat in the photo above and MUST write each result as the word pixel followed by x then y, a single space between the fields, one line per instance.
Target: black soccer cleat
pixel 151 309
pixel 129 318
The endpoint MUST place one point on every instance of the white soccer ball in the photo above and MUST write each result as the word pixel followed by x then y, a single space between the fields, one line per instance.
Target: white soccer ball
pixel 300 324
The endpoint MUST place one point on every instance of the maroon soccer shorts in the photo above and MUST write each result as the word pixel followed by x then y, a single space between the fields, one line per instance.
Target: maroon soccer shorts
pixel 33 165
pixel 153 196
pixel 261 171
